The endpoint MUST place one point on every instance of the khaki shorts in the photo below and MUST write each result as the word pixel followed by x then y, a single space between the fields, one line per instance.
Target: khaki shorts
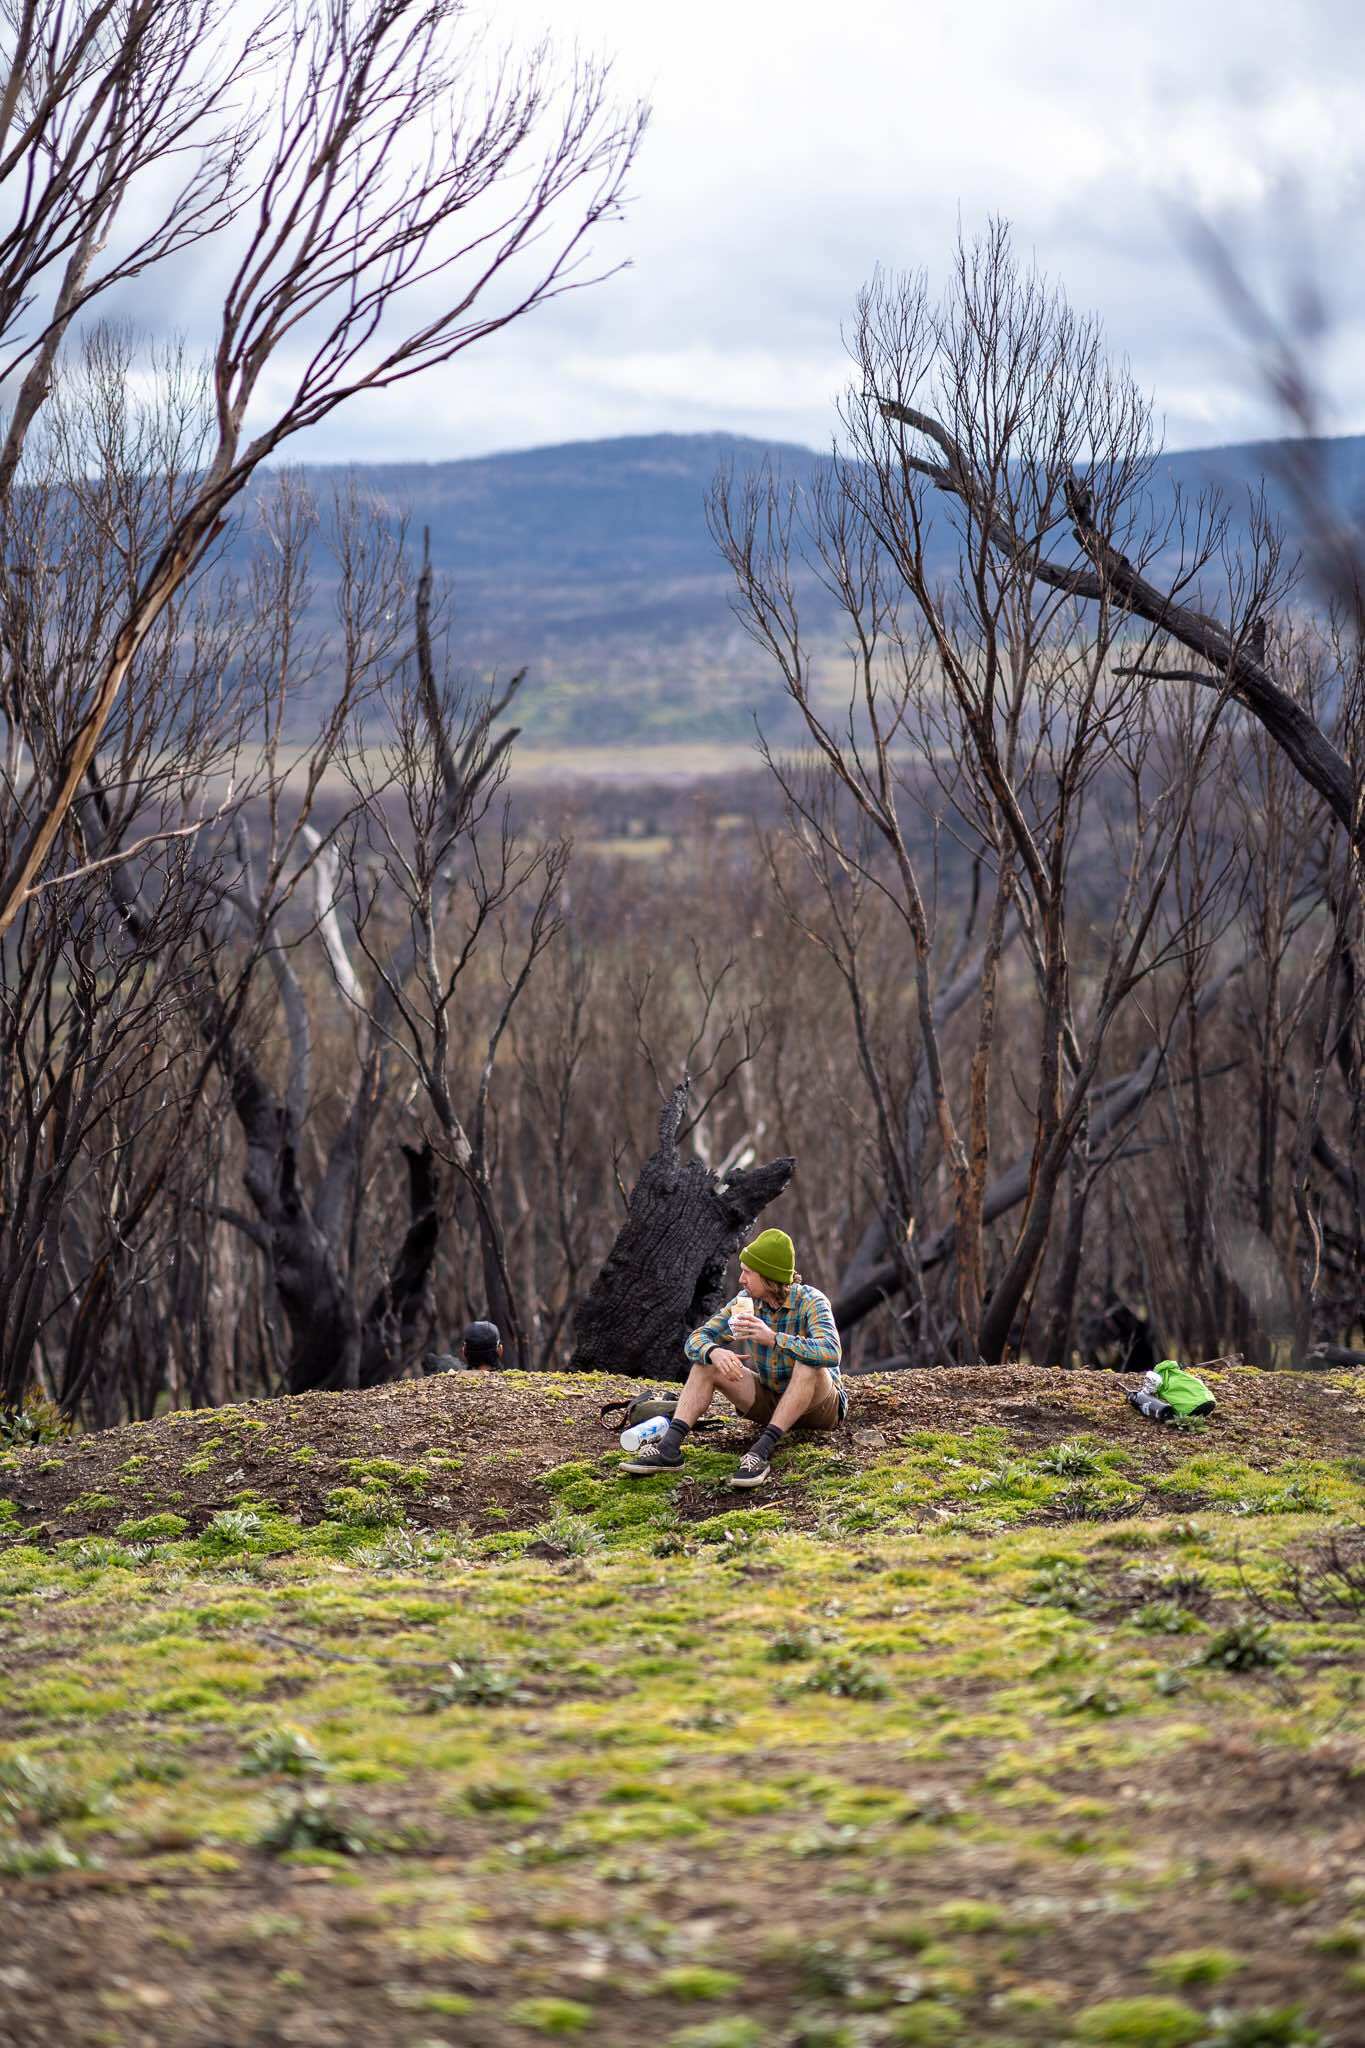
pixel 823 1412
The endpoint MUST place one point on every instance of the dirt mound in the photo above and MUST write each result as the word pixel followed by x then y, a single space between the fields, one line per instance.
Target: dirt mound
pixel 472 1449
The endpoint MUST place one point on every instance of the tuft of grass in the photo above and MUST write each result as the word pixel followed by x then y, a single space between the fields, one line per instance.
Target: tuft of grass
pixel 1243 1646
pixel 847 1677
pixel 1283 2027
pixel 719 2033
pixel 1095 1698
pixel 283 1752
pixel 39 1421
pixel 32 1793
pixel 314 1820
pixel 474 1682
pixel 1164 1618
pixel 1062 1582
pixel 552 2015
pixel 1190 1968
pixel 162 1528
pixel 356 1507
pixel 794 1645
pixel 1072 1459
pixel 39 1858
pixel 695 1982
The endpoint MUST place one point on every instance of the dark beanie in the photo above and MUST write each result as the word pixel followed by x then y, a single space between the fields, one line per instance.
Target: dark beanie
pixel 481 1340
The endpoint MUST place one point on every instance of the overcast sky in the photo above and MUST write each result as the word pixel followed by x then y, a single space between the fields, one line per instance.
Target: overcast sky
pixel 795 146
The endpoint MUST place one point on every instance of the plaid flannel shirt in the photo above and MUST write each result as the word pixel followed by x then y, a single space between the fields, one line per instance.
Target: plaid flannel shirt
pixel 806 1335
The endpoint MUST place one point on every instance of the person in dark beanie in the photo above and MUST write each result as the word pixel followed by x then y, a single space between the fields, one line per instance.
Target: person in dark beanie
pixel 773 1351
pixel 480 1350
pixel 481 1346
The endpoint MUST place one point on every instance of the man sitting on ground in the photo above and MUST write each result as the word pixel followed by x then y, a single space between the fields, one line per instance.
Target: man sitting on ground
pixel 779 1366
pixel 480 1350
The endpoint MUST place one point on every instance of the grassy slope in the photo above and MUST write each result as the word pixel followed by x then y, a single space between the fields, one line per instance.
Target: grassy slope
pixel 399 1718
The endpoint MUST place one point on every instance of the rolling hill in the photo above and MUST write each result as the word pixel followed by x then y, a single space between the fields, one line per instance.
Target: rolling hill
pixel 590 563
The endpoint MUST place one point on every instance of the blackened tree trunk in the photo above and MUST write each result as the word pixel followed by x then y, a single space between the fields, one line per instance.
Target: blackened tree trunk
pixel 391 1321
pixel 666 1271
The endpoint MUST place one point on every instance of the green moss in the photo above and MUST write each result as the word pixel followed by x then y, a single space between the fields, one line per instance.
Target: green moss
pixel 642 1718
pixel 551 2015
pixel 697 1981
pixel 927 2024
pixel 357 1507
pixel 720 2033
pixel 1140 2023
pixel 1189 1967
pixel 1346 1940
pixel 453 2004
pixel 162 1528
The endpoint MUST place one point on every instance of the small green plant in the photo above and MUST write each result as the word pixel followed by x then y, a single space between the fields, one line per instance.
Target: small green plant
pixel 474 1682
pixel 929 2023
pixel 234 1529
pixel 39 1421
pixel 1243 1646
pixel 552 2015
pixel 314 1820
pixel 1164 1618
pixel 847 1678
pixel 1283 2028
pixel 358 1507
pixel 793 1645
pixel 1096 1698
pixel 494 1795
pixel 968 1916
pixel 573 1535
pixel 406 1550
pixel 1062 1583
pixel 1191 1967
pixel 719 2033
pixel 163 1528
pixel 1348 1939
pixel 38 1859
pixel 33 1793
pixel 1140 2023
pixel 283 1752
pixel 1070 1460
pixel 695 1981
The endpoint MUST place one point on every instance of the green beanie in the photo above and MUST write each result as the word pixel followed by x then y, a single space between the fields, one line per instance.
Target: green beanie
pixel 772 1254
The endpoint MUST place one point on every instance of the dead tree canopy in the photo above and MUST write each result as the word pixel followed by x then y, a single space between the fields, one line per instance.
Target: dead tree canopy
pixel 666 1271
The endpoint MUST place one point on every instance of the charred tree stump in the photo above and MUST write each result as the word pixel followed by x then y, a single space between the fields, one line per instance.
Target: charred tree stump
pixel 666 1271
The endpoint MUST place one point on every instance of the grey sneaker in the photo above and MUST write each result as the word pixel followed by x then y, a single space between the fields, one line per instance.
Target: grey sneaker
pixel 652 1458
pixel 752 1470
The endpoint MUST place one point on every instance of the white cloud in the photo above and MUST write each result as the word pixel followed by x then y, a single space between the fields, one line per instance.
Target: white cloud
pixel 795 146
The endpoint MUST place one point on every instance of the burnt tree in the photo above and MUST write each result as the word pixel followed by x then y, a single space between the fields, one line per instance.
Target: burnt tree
pixel 666 1271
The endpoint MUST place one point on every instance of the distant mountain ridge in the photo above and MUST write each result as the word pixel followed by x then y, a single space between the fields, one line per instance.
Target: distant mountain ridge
pixel 590 564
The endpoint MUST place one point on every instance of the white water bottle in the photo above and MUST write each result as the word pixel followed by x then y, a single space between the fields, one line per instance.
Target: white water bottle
pixel 643 1432
pixel 742 1305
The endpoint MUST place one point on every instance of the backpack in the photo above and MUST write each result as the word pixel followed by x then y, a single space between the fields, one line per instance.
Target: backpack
pixel 1185 1391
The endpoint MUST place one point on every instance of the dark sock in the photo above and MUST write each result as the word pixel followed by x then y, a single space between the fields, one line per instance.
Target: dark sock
pixel 672 1438
pixel 768 1442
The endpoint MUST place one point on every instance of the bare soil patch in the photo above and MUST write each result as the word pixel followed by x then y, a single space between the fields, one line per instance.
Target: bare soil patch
pixel 508 1430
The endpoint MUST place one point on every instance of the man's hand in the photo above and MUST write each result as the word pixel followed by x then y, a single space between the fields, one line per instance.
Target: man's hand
pixel 727 1367
pixel 752 1329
